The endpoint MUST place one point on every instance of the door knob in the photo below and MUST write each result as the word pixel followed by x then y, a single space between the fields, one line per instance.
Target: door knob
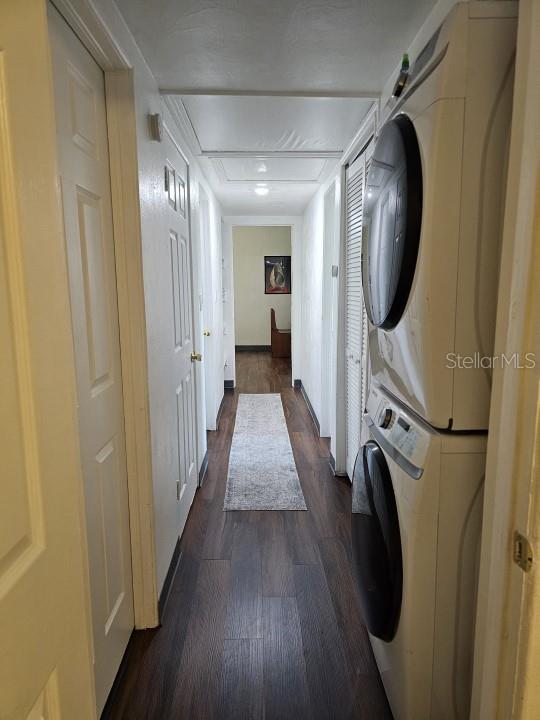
pixel 206 333
pixel 196 356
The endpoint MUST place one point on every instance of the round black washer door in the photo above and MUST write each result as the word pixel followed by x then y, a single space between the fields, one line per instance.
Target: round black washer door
pixel 376 542
pixel 392 219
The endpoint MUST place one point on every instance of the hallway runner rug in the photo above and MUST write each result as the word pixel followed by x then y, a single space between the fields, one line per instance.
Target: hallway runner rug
pixel 262 472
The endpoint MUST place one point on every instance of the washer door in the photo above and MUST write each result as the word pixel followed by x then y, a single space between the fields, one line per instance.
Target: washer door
pixel 392 218
pixel 376 542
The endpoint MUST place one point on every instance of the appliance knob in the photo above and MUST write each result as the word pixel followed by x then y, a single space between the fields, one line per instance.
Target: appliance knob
pixel 386 418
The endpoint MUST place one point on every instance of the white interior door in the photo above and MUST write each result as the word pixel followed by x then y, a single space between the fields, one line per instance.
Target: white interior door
pixel 181 368
pixel 356 355
pixel 85 184
pixel 45 667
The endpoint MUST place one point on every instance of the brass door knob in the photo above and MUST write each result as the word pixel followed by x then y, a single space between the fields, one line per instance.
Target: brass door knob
pixel 206 333
pixel 196 356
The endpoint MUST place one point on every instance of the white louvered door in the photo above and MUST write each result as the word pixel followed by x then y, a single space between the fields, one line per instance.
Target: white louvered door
pixel 356 355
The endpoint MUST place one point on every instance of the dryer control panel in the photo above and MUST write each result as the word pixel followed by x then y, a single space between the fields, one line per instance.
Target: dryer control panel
pixel 398 427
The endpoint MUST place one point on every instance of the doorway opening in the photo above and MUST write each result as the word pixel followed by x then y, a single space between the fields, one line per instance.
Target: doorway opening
pixel 262 289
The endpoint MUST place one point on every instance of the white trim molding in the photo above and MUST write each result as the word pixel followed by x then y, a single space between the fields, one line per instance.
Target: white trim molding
pixel 368 128
pixel 368 95
pixel 310 154
pixel 131 310
pixel 183 123
pixel 90 28
pixel 507 640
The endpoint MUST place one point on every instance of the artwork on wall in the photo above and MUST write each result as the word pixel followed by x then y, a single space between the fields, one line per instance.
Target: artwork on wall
pixel 277 274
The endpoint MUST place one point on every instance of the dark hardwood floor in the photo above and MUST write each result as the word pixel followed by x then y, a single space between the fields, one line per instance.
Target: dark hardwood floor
pixel 263 619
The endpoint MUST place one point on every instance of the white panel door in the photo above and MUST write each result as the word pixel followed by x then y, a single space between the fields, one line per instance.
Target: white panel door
pixel 45 666
pixel 182 373
pixel 85 185
pixel 356 355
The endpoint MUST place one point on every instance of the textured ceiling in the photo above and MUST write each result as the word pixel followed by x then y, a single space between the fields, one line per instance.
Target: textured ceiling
pixel 274 45
pixel 212 49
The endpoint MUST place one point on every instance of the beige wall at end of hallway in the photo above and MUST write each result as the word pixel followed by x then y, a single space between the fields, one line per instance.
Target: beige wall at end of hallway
pixel 251 305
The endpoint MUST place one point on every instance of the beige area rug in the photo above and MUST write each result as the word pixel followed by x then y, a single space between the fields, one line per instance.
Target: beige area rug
pixel 262 472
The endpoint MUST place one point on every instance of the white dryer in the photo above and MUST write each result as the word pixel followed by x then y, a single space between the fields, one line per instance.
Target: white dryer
pixel 416 526
pixel 433 215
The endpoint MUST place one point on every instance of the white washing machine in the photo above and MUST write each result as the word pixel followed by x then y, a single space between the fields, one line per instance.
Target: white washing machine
pixel 433 215
pixel 416 526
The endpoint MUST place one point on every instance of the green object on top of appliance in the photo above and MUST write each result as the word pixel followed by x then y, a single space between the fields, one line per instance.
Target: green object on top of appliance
pixel 405 63
pixel 402 77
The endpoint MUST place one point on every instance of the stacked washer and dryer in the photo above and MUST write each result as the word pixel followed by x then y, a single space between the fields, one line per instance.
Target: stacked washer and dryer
pixel 432 225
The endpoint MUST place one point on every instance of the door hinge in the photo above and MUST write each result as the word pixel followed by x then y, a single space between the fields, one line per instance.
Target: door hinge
pixel 523 555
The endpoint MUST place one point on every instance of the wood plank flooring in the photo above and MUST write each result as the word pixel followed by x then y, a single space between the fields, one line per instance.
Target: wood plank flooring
pixel 263 618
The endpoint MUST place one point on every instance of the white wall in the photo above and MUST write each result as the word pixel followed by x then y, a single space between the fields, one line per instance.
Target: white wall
pixel 316 262
pixel 151 161
pixel 252 305
pixel 311 263
pixel 228 303
pixel 330 311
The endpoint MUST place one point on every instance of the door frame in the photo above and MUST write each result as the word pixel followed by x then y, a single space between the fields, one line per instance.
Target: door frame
pixel 295 223
pixel 507 647
pixel 212 394
pixel 367 130
pixel 122 135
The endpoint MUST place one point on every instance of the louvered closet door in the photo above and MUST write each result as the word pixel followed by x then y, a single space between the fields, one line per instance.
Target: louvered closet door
pixel 356 375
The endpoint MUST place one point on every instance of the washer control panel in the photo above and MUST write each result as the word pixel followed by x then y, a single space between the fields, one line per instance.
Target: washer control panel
pixel 398 427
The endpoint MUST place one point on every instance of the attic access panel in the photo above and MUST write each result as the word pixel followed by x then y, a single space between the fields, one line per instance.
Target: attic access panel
pixel 225 123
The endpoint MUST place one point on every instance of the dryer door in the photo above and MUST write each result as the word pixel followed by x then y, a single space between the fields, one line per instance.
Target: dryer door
pixel 376 542
pixel 391 222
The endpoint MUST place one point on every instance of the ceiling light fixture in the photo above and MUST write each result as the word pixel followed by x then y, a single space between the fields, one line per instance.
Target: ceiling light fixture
pixel 262 167
pixel 261 189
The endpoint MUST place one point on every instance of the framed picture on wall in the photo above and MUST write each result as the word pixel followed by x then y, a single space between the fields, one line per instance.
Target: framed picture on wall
pixel 277 274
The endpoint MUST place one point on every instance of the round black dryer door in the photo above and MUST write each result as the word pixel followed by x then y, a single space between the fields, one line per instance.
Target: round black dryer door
pixel 392 218
pixel 376 542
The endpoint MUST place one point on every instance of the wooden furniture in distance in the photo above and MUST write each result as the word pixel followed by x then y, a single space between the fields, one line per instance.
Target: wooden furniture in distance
pixel 280 340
